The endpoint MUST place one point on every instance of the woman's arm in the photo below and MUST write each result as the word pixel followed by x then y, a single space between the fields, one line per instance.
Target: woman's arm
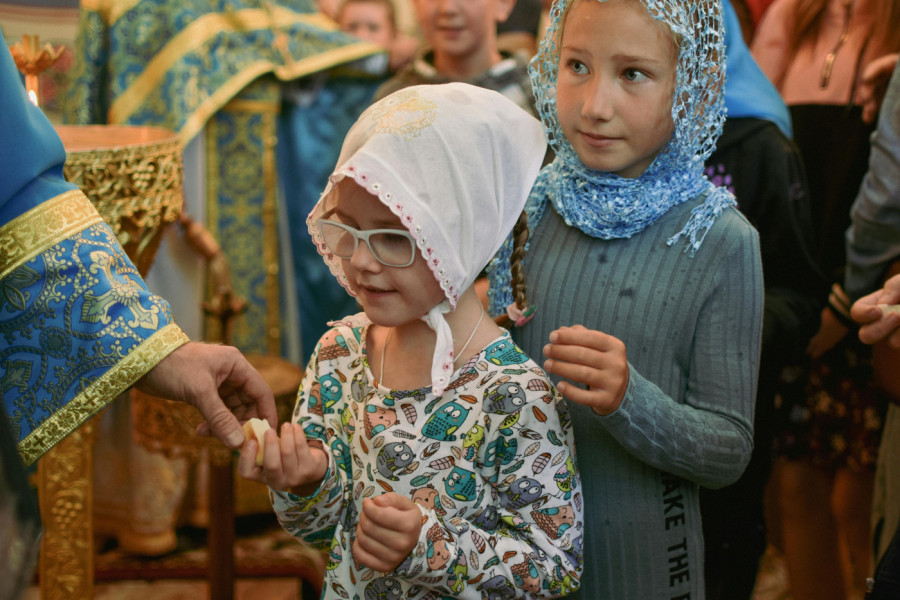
pixel 707 438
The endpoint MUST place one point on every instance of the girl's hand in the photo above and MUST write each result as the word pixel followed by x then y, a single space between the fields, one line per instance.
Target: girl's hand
pixel 593 359
pixel 289 462
pixel 831 331
pixel 875 78
pixel 388 530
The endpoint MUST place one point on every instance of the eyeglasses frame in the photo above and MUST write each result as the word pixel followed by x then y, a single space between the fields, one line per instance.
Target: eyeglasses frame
pixel 364 236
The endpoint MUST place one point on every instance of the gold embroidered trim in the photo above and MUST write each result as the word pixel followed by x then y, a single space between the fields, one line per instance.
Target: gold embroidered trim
pixel 30 234
pixel 219 98
pixel 270 240
pixel 295 70
pixel 208 26
pixel 326 60
pixel 109 10
pixel 103 391
pixel 240 105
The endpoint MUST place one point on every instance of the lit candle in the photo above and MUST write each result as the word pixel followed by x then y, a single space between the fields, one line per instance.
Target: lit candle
pixel 31 60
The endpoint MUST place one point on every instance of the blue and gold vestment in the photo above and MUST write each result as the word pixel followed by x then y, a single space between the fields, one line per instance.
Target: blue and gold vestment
pixel 78 326
pixel 214 68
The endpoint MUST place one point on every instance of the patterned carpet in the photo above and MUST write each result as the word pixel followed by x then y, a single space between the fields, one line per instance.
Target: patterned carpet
pixel 269 564
pixel 262 549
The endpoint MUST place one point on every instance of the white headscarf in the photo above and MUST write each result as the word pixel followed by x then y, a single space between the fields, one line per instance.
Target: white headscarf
pixel 456 163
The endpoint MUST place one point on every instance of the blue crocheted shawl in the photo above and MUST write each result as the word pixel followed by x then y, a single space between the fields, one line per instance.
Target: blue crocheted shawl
pixel 605 205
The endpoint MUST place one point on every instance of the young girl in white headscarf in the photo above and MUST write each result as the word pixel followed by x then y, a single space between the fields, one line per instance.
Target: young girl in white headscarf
pixel 644 282
pixel 427 452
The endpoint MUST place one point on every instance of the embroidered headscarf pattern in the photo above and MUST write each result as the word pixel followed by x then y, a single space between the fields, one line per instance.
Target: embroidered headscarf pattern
pixel 404 114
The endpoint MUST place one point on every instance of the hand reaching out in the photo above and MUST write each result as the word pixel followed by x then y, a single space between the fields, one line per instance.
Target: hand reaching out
pixel 219 382
pixel 289 463
pixel 877 323
pixel 388 530
pixel 593 359
pixel 831 331
pixel 875 77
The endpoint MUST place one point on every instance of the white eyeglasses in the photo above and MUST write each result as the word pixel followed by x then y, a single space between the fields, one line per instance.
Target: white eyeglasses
pixel 390 247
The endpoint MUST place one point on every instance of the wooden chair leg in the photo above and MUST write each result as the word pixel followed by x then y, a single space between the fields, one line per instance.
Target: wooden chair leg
pixel 220 535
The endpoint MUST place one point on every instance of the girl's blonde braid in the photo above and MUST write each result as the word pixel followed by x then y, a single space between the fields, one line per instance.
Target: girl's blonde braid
pixel 520 238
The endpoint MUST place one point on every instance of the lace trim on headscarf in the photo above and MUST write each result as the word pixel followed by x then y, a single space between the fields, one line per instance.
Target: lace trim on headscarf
pixel 378 190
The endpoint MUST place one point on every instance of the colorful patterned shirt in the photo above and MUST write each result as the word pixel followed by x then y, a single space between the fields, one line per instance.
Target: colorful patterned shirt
pixel 490 463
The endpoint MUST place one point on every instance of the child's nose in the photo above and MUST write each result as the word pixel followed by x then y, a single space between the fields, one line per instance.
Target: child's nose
pixel 598 105
pixel 363 259
pixel 447 6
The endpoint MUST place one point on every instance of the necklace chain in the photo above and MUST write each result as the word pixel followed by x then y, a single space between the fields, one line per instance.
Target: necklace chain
pixel 458 354
pixel 831 56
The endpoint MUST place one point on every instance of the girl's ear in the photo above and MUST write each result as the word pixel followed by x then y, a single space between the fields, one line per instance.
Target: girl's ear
pixel 502 9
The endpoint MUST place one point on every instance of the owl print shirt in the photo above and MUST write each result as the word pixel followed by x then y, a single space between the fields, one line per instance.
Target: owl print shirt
pixel 490 464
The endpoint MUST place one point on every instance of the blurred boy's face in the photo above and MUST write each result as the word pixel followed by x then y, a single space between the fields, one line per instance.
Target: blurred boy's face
pixel 369 21
pixel 463 33
pixel 616 80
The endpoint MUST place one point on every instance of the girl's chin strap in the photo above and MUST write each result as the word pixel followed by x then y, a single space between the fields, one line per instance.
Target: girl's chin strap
pixel 442 363
pixel 444 355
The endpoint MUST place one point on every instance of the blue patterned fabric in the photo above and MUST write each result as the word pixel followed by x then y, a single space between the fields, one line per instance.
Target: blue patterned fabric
pixel 67 317
pixel 132 62
pixel 311 130
pixel 216 68
pixel 77 323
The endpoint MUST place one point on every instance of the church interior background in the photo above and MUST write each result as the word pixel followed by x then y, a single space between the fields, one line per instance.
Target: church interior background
pixel 150 517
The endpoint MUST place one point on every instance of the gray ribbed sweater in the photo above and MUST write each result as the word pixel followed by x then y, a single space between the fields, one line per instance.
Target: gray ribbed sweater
pixel 691 327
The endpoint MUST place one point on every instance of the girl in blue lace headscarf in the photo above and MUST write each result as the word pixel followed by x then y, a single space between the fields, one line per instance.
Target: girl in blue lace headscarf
pixel 643 278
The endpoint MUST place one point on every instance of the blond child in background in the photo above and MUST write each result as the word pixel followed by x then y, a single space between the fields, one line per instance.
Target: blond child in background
pixel 427 452
pixel 371 20
pixel 645 283
pixel 376 21
pixel 460 43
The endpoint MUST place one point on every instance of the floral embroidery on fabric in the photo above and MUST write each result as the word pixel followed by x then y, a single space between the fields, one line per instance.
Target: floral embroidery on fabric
pixel 69 316
pixel 404 115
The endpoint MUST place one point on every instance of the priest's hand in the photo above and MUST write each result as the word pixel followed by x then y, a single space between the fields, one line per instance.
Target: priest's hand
pixel 219 382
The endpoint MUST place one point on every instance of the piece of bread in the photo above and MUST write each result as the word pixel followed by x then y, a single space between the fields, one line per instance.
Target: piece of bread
pixel 889 308
pixel 255 429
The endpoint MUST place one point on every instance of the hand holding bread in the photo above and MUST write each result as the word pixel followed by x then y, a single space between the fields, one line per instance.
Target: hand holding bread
pixel 288 462
pixel 255 429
